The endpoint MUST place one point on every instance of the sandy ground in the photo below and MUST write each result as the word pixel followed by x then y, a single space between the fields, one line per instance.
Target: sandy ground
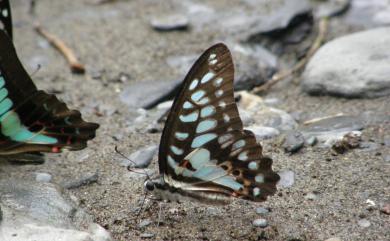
pixel 117 38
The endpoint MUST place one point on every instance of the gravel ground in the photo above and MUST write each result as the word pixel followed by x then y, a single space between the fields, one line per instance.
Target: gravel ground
pixel 116 37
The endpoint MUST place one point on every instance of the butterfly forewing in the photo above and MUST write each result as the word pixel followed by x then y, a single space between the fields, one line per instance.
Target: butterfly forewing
pixel 32 120
pixel 202 138
pixel 5 17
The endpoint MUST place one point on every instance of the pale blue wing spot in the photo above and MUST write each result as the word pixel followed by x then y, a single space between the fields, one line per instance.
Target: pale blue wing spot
pixel 77 131
pixel 224 138
pixel 3 93
pixel 243 156
pixel 203 101
pixel 12 127
pixel 192 117
pixel 226 118
pixel 193 84
pixel 212 56
pixel 256 191
pixel 259 178
pixel 45 106
pixel 5 105
pixel 212 62
pixel 218 82
pixel 207 111
pixel 219 93
pixel 199 158
pixel 206 125
pixel 222 104
pixel 181 135
pixel 67 121
pixel 238 144
pixel 176 150
pixel 5 13
pixel 207 77
pixel 198 95
pixel 202 139
pixel 253 165
pixel 2 81
pixel 187 105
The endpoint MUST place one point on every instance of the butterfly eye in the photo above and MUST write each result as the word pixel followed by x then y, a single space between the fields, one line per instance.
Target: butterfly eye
pixel 149 186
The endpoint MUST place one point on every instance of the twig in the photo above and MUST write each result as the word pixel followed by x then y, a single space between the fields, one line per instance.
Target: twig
pixel 323 27
pixel 75 65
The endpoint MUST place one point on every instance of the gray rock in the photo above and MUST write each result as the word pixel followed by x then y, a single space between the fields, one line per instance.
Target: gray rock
pixel 254 65
pixel 355 65
pixel 147 235
pixel 332 8
pixel 263 132
pixel 40 211
pixel 170 22
pixel 147 94
pixel 261 210
pixel 260 222
pixel 311 141
pixel 287 179
pixel 293 141
pixel 386 158
pixel 141 158
pixel 43 177
pixel 364 223
pixel 245 116
pixel 258 17
pixel 368 14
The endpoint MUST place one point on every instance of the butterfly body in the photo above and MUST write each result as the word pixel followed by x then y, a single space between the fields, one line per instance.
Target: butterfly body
pixel 205 154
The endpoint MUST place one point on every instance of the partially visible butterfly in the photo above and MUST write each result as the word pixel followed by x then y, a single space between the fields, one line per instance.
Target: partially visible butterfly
pixel 5 17
pixel 205 154
pixel 30 119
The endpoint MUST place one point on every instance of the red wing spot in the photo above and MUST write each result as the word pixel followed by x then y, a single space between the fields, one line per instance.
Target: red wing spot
pixel 69 141
pixel 184 163
pixel 234 194
pixel 55 149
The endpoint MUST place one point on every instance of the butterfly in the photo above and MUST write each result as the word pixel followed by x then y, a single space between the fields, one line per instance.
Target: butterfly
pixel 5 17
pixel 30 119
pixel 205 154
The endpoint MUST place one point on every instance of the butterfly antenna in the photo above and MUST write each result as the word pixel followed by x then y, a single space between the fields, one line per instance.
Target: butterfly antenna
pixel 129 167
pixel 140 210
pixel 36 70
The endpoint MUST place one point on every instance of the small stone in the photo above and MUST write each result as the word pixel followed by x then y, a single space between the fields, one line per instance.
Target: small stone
pixel 147 235
pixel 170 22
pixel 145 223
pixel 311 196
pixel 261 210
pixel 364 223
pixel 386 209
pixel 43 177
pixel 311 141
pixel 334 239
pixel 287 179
pixel 293 141
pixel 260 222
pixel 263 132
pixel 141 158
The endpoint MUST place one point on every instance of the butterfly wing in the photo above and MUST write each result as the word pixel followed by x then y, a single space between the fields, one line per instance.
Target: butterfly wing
pixel 5 17
pixel 203 146
pixel 30 119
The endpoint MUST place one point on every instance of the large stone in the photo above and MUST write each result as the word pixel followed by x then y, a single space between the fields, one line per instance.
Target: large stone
pixel 356 65
pixel 41 211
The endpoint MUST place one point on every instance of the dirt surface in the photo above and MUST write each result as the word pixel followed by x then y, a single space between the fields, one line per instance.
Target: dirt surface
pixel 116 37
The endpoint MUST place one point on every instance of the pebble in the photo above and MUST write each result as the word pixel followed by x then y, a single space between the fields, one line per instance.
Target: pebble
pixel 311 196
pixel 385 208
pixel 260 222
pixel 263 132
pixel 147 235
pixel 170 22
pixel 311 141
pixel 334 239
pixel 364 223
pixel 287 179
pixel 43 177
pixel 261 210
pixel 293 141
pixel 141 158
pixel 354 65
pixel 145 223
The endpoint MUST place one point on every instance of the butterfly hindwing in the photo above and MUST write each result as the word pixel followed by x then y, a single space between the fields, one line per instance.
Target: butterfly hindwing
pixel 201 148
pixel 5 17
pixel 32 120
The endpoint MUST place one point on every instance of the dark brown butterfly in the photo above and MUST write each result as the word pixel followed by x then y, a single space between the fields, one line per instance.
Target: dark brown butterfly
pixel 205 154
pixel 30 119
